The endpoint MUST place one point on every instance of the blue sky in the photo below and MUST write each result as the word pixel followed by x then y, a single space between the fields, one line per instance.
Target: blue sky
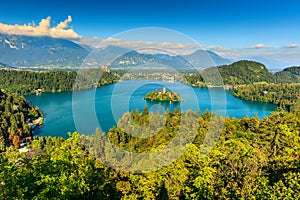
pixel 236 24
pixel 233 24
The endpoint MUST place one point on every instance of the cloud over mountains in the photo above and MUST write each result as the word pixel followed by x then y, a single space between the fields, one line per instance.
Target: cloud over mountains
pixel 259 46
pixel 291 46
pixel 62 30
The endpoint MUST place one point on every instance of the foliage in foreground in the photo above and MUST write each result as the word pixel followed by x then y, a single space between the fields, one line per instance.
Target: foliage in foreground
pixel 252 159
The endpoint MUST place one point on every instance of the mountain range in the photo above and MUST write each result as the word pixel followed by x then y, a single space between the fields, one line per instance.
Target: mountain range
pixel 4 66
pixel 117 57
pixel 18 50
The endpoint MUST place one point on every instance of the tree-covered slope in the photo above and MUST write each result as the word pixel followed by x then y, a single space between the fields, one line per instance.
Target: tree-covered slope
pixel 243 72
pixel 293 70
pixel 285 95
pixel 16 115
pixel 25 82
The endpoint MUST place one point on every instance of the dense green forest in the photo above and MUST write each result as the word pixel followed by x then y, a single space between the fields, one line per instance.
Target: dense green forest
pixel 16 114
pixel 293 70
pixel 244 72
pixel 252 159
pixel 25 81
pixel 286 96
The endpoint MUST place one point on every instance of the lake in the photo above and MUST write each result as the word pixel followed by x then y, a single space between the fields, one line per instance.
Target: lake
pixel 85 110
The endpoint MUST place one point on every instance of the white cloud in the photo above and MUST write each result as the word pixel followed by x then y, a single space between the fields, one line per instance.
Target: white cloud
pixel 62 30
pixel 292 46
pixel 218 48
pixel 259 46
pixel 173 45
pixel 45 23
pixel 64 24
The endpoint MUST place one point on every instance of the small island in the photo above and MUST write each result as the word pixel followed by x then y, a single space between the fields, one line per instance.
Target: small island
pixel 163 95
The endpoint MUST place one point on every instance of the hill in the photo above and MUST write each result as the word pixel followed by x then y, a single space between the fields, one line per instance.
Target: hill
pixel 241 72
pixel 288 75
pixel 293 70
pixel 244 72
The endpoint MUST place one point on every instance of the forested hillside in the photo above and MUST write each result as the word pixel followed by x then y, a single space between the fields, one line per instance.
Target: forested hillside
pixel 286 96
pixel 16 115
pixel 244 72
pixel 25 82
pixel 293 70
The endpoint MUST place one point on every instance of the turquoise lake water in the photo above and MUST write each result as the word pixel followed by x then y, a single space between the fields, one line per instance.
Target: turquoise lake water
pixel 85 110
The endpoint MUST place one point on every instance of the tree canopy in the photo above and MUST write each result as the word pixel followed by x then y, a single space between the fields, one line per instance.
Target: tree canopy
pixel 252 159
pixel 16 114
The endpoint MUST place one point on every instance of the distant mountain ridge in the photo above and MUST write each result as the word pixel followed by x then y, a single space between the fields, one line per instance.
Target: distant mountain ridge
pixel 118 57
pixel 18 50
pixel 206 58
pixel 2 65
